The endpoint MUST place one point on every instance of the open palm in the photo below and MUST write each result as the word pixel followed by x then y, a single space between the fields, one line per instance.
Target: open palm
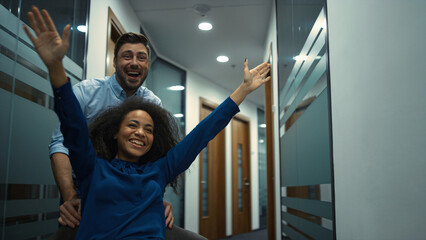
pixel 48 44
pixel 255 77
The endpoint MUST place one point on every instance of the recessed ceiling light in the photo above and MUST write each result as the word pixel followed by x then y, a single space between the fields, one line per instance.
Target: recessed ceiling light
pixel 176 88
pixel 262 125
pixel 178 115
pixel 205 26
pixel 222 59
pixel 82 28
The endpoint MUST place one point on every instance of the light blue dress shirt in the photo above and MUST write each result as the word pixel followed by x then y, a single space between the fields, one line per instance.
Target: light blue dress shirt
pixel 95 96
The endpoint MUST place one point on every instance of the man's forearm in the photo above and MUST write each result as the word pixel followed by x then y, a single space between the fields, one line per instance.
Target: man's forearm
pixel 62 171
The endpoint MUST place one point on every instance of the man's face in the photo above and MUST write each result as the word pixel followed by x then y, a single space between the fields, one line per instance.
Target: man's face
pixel 131 66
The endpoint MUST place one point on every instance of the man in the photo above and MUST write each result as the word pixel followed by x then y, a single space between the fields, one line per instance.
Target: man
pixel 132 63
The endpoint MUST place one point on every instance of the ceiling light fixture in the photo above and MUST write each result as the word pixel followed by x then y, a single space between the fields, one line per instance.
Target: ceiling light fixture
pixel 176 88
pixel 205 26
pixel 178 115
pixel 222 59
pixel 263 125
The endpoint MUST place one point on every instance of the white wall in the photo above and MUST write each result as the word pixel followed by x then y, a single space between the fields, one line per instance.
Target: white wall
pixel 196 87
pixel 378 96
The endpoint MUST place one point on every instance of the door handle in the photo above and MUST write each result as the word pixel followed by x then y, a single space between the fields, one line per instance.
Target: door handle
pixel 246 182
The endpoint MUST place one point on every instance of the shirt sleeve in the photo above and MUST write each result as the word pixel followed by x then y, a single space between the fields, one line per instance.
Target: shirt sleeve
pixel 75 131
pixel 179 158
pixel 57 141
pixel 150 96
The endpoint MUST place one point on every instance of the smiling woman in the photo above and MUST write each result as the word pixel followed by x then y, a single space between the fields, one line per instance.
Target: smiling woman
pixel 137 130
pixel 135 136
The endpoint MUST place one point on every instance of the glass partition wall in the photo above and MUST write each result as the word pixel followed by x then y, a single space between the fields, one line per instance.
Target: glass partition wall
pixel 261 133
pixel 168 82
pixel 29 198
pixel 304 120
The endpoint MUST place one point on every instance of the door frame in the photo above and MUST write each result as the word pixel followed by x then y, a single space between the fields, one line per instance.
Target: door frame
pixel 270 166
pixel 115 30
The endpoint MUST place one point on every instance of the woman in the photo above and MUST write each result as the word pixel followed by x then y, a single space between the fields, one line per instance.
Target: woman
pixel 132 152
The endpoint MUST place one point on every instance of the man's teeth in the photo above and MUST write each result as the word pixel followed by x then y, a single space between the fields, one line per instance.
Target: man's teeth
pixel 137 142
pixel 133 73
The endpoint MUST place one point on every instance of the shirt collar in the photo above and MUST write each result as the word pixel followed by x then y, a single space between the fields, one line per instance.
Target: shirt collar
pixel 118 90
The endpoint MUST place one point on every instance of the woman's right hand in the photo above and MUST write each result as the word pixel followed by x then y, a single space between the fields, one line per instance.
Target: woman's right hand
pixel 49 45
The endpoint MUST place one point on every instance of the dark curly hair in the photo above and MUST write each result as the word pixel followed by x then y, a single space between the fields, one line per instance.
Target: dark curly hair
pixel 107 124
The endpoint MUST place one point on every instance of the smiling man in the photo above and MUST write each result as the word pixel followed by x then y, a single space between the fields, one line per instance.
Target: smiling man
pixel 131 63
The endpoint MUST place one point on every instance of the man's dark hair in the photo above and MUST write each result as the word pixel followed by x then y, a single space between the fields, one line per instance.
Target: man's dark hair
pixel 106 125
pixel 131 37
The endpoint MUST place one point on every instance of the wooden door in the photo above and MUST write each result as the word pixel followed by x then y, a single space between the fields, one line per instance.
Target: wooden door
pixel 115 30
pixel 212 216
pixel 241 193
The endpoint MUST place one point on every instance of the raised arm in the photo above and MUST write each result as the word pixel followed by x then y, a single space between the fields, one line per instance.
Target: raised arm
pixel 179 158
pixel 253 79
pixel 49 45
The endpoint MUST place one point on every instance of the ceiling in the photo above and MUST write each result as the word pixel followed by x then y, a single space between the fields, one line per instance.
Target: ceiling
pixel 239 31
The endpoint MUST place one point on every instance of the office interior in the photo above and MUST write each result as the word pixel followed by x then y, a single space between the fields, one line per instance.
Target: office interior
pixel 335 150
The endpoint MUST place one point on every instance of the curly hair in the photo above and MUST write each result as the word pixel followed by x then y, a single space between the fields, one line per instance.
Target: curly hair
pixel 107 124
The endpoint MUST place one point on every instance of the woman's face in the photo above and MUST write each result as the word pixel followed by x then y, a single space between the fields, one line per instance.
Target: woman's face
pixel 135 136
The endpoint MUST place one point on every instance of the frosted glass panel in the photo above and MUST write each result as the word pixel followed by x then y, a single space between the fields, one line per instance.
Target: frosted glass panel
pixel 261 133
pixel 32 128
pixel 313 143
pixel 288 158
pixel 29 196
pixel 304 121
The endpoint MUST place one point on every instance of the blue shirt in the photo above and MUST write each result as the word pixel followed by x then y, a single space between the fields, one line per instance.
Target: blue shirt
pixel 124 200
pixel 95 96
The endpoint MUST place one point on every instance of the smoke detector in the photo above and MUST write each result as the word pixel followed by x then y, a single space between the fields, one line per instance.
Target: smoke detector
pixel 201 9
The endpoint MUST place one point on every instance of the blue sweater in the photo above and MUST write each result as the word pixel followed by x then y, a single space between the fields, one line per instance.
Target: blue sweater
pixel 124 200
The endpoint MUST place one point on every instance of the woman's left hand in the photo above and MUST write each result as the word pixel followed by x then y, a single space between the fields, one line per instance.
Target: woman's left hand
pixel 255 77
